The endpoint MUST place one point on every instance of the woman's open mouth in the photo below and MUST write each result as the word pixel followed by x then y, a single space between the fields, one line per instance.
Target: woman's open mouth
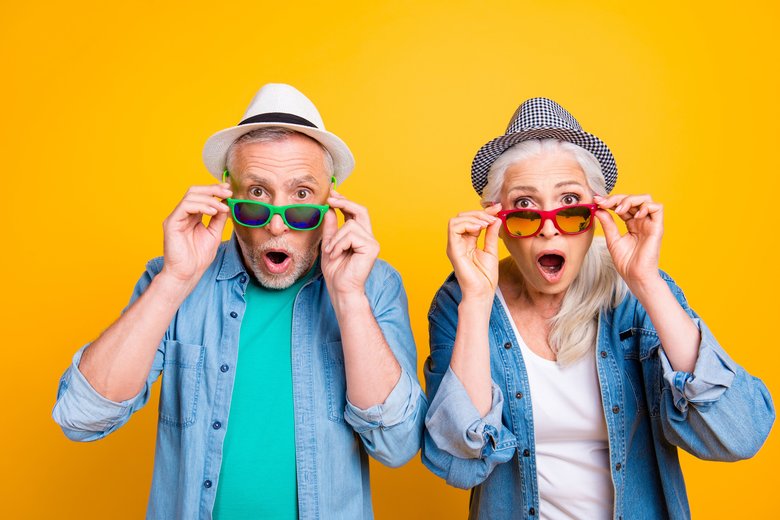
pixel 277 261
pixel 551 265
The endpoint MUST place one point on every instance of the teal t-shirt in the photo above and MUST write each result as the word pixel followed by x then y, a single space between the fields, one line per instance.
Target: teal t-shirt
pixel 258 478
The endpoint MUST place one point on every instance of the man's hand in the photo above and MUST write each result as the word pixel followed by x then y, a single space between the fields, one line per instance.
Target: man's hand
pixel 349 252
pixel 189 246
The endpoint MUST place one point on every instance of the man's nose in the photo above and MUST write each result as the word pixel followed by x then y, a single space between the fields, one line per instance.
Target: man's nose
pixel 548 229
pixel 277 226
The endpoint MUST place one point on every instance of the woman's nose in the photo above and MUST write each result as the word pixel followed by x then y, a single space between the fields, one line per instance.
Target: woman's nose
pixel 548 229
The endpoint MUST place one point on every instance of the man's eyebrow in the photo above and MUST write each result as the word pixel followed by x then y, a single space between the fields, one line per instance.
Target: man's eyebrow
pixel 254 178
pixel 301 180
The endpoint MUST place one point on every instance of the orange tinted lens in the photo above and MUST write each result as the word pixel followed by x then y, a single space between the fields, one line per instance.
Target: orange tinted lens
pixel 523 223
pixel 573 220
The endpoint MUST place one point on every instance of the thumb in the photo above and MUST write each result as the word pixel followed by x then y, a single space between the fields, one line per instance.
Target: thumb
pixel 217 223
pixel 611 231
pixel 329 227
pixel 491 238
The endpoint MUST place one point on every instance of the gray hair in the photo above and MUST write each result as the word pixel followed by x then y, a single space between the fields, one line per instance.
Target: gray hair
pixel 270 134
pixel 598 286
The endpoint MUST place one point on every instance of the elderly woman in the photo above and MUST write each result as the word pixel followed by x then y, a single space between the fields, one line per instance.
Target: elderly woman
pixel 563 378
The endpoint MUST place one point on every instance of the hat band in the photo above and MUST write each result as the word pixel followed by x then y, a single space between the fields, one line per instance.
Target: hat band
pixel 277 117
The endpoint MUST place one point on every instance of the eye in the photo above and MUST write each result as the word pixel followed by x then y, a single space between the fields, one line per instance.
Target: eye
pixel 257 192
pixel 302 193
pixel 570 199
pixel 523 202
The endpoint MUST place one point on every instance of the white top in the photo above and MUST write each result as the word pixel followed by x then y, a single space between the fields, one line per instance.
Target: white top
pixel 572 449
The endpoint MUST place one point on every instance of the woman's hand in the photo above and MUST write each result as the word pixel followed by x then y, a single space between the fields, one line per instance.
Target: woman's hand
pixel 476 269
pixel 636 253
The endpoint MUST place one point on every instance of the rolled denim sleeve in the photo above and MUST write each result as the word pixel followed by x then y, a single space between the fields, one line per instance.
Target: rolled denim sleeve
pixel 719 411
pixel 398 405
pixel 460 445
pixel 83 413
pixel 391 432
pixel 712 375
pixel 80 410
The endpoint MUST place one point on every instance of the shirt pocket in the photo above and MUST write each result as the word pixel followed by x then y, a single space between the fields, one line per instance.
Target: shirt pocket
pixel 335 380
pixel 182 372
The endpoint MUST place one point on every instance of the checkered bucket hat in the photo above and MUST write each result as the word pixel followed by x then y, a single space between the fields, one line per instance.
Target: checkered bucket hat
pixel 542 118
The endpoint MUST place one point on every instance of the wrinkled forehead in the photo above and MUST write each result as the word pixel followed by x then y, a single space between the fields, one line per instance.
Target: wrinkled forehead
pixel 544 173
pixel 295 158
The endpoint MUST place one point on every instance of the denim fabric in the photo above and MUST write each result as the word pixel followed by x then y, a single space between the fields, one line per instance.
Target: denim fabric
pixel 197 358
pixel 717 412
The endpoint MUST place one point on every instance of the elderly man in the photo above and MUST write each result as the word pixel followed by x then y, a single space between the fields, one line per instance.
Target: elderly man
pixel 286 352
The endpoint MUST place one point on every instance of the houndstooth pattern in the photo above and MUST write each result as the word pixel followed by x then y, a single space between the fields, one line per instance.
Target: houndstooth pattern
pixel 541 118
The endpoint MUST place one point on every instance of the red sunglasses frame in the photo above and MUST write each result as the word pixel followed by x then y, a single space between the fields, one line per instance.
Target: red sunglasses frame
pixel 545 215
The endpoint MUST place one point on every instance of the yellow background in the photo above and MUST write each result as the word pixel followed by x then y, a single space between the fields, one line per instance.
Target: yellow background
pixel 105 108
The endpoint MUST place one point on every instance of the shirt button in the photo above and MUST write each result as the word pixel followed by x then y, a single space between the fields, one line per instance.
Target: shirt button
pixel 233 314
pixel 217 425
pixel 618 466
pixel 616 409
pixel 224 368
pixel 507 345
pixel 519 395
pixel 603 353
pixel 532 511
pixel 207 484
pixel 526 452
pixel 243 279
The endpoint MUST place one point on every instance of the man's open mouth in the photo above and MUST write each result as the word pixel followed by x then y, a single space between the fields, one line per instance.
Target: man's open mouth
pixel 277 261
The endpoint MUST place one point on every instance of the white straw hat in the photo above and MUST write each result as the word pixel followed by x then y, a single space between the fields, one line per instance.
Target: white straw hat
pixel 279 105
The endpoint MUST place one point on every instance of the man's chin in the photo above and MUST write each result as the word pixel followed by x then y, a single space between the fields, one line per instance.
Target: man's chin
pixel 276 281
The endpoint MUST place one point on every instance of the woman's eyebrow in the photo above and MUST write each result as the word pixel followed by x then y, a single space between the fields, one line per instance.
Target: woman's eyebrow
pixel 569 183
pixel 529 189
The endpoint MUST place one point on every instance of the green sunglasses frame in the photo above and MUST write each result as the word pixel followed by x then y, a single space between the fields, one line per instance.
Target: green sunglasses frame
pixel 276 210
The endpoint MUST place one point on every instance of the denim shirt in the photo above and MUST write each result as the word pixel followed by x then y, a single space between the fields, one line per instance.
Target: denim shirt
pixel 717 412
pixel 197 358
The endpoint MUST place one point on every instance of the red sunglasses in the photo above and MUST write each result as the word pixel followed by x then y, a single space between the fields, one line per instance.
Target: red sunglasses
pixel 569 220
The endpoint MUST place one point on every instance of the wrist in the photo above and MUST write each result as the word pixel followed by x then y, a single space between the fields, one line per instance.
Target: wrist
pixel 347 302
pixel 476 303
pixel 647 287
pixel 174 286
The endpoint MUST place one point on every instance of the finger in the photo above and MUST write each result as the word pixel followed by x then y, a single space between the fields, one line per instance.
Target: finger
pixel 329 227
pixel 187 209
pixel 611 231
pixel 351 210
pixel 494 209
pixel 631 201
pixel 609 202
pixel 355 241
pixel 470 226
pixel 217 224
pixel 213 190
pixel 349 228
pixel 206 199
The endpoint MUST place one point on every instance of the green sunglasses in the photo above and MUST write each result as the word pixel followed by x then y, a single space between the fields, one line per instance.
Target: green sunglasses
pixel 255 214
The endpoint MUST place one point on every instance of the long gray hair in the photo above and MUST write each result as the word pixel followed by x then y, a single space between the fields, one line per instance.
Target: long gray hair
pixel 597 286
